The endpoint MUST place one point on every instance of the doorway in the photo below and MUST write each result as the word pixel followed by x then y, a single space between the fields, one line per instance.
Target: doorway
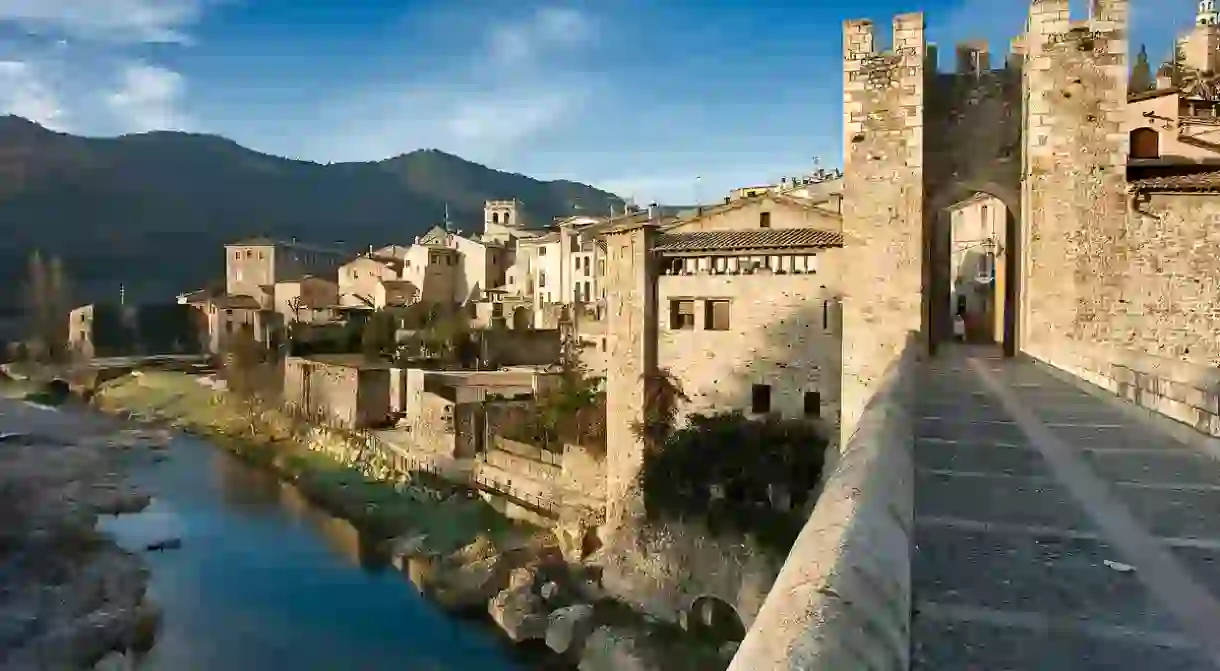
pixel 972 258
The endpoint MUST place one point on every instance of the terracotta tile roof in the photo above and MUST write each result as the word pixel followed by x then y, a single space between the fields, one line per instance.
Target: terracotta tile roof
pixel 239 302
pixel 1154 93
pixel 772 238
pixel 1200 180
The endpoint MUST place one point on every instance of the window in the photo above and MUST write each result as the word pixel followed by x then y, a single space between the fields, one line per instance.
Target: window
pixel 586 264
pixel 575 245
pixel 495 217
pixel 249 253
pixel 506 218
pixel 588 294
pixel 542 251
pixel 497 309
pixel 813 404
pixel 682 315
pixel 542 278
pixel 228 327
pixel 716 315
pixel 1145 143
pixel 260 256
pixel 228 313
pixel 601 267
pixel 760 399
pixel 764 220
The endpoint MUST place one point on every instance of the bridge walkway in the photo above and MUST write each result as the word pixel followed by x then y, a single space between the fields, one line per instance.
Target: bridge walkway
pixel 1056 528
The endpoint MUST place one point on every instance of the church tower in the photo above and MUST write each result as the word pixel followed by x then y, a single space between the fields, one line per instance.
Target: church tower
pixel 1206 15
pixel 1199 49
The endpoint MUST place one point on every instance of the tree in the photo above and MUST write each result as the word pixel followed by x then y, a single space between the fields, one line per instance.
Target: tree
pixel 1141 73
pixel 378 336
pixel 47 306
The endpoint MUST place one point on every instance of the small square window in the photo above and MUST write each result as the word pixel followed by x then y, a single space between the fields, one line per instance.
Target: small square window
pixel 716 315
pixel 760 399
pixel 764 220
pixel 813 404
pixel 682 315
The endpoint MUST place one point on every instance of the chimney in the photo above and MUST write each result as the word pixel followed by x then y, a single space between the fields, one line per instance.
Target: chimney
pixel 654 212
pixel 370 250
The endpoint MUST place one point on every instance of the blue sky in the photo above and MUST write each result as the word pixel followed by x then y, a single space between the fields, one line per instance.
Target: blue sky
pixel 637 96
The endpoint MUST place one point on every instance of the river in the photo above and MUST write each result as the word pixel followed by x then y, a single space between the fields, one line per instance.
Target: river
pixel 265 581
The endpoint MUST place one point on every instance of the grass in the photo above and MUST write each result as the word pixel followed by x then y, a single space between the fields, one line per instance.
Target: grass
pixel 447 515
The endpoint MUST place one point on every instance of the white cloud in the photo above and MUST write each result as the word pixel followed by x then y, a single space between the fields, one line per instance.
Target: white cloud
pixel 517 85
pixel 109 20
pixel 149 98
pixel 24 92
pixel 522 43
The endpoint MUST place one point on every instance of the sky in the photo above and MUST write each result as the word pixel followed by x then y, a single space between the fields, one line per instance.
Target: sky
pixel 675 101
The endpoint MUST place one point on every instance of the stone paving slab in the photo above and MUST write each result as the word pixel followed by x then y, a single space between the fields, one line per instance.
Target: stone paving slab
pixel 1179 466
pixel 1009 568
pixel 1174 513
pixel 1037 573
pixel 978 456
pixel 1013 501
pixel 973 646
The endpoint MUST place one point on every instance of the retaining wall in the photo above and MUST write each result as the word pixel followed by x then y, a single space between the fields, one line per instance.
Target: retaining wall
pixel 843 597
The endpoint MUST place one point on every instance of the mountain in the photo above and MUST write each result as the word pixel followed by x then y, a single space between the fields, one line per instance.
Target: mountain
pixel 152 211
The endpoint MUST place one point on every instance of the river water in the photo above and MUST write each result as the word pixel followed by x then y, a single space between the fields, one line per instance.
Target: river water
pixel 264 581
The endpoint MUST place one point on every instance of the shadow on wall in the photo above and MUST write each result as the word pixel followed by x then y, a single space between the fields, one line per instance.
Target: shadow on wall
pixel 855 548
pixel 716 536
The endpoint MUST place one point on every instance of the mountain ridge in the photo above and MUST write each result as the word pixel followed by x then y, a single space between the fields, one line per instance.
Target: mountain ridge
pixel 151 211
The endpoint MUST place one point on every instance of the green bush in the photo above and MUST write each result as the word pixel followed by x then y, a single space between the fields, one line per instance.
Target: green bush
pixel 722 469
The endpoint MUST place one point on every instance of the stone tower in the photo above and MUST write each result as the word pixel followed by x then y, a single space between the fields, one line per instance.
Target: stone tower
pixel 1074 187
pixel 1200 47
pixel 631 344
pixel 502 217
pixel 882 206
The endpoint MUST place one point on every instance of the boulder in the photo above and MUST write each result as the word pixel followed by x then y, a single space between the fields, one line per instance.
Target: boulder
pixel 469 585
pixel 405 547
pixel 611 648
pixel 550 591
pixel 568 628
pixel 520 613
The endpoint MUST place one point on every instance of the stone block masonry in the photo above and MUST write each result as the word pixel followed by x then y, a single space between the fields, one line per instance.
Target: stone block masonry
pixel 882 205
pixel 1074 190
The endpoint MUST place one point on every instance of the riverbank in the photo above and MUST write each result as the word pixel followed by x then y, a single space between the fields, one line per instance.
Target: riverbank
pixel 69 596
pixel 453 546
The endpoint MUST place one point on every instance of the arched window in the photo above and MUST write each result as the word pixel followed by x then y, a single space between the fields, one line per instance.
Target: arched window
pixel 505 218
pixel 495 217
pixel 1145 143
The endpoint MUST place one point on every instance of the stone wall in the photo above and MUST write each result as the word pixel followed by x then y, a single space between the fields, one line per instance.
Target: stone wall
pixel 1161 351
pixel 783 332
pixel 583 471
pixel 882 275
pixel 843 597
pixel 631 343
pixel 1074 194
pixel 347 396
pixel 520 347
pixel 972 144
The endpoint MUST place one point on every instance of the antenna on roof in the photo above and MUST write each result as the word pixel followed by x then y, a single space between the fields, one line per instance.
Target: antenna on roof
pixel 446 217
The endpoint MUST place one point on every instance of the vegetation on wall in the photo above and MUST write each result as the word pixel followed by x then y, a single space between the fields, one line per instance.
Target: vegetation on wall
pixel 570 410
pixel 737 475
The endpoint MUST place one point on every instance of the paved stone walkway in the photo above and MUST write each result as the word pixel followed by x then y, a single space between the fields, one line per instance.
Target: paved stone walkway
pixel 1054 530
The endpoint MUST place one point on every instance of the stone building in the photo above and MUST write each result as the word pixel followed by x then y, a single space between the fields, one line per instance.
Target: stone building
pixel 307 300
pixel 253 265
pixel 347 391
pixel 359 277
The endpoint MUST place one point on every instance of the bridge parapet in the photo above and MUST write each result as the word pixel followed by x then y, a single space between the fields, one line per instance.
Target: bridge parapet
pixel 843 597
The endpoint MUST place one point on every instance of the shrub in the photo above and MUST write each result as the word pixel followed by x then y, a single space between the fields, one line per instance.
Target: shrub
pixel 724 469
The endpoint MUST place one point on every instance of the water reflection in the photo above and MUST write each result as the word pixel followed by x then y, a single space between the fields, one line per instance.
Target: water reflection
pixel 264 581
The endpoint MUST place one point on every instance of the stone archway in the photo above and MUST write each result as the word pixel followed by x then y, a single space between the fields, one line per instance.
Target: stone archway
pixel 521 318
pixel 713 619
pixel 938 264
